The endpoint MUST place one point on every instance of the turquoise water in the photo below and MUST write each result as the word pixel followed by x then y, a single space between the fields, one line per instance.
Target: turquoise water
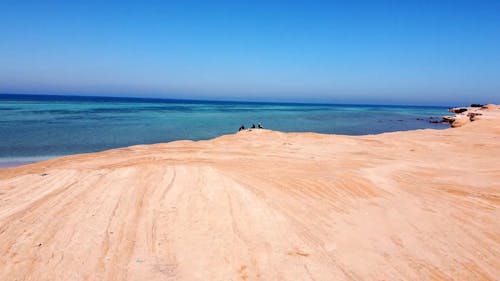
pixel 38 127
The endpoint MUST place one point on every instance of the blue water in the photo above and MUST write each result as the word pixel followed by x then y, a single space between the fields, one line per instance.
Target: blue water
pixel 37 127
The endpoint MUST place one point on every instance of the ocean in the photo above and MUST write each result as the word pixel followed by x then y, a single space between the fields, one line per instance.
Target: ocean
pixel 37 127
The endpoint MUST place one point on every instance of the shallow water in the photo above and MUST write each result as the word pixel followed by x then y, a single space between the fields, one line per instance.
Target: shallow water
pixel 39 127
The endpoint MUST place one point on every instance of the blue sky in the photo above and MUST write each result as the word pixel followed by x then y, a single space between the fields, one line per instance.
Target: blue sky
pixel 388 52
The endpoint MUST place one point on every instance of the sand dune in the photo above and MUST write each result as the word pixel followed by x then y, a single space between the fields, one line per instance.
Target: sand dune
pixel 262 205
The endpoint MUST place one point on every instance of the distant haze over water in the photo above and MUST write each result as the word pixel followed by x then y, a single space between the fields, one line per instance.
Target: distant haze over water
pixel 36 127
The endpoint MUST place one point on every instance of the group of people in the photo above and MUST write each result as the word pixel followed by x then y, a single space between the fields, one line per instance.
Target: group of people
pixel 252 127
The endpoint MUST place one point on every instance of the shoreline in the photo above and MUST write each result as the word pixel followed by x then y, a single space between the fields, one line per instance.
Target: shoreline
pixel 22 161
pixel 12 162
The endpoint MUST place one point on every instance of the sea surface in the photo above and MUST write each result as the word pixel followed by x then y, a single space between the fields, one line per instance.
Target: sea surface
pixel 40 127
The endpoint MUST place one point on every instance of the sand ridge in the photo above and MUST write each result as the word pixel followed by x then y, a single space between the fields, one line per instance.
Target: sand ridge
pixel 262 205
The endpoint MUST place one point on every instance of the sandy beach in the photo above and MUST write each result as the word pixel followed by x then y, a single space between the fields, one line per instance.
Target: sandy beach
pixel 263 205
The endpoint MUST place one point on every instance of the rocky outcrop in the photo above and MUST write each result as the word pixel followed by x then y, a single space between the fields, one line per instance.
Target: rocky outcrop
pixel 460 121
pixel 489 107
pixel 442 120
pixel 473 116
pixel 465 115
pixel 457 110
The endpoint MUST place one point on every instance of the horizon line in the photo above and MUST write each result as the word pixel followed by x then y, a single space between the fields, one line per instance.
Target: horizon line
pixel 201 100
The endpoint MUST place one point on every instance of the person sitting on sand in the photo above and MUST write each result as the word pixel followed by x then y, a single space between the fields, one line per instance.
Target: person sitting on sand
pixel 253 126
pixel 241 128
pixel 260 126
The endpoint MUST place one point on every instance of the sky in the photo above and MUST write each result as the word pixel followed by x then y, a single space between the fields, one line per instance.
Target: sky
pixel 370 52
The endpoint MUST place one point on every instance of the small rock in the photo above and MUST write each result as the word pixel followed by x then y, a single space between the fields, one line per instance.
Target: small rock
pixel 473 116
pixel 448 119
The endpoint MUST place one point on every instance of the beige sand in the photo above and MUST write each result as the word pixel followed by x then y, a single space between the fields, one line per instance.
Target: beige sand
pixel 262 205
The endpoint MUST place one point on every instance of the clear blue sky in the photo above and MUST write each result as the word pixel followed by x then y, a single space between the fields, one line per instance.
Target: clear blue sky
pixel 389 52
